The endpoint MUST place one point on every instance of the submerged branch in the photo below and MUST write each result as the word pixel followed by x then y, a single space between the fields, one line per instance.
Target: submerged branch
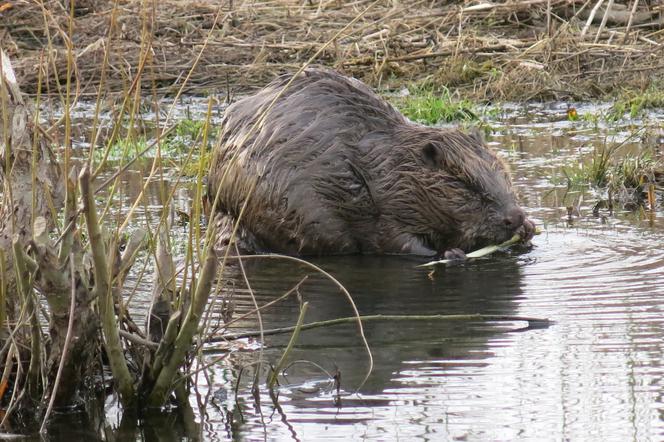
pixel 532 323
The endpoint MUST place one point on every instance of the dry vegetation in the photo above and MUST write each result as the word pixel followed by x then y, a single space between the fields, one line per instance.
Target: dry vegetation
pixel 500 49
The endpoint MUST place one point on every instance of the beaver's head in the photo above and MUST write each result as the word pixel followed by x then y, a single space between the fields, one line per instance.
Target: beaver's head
pixel 449 190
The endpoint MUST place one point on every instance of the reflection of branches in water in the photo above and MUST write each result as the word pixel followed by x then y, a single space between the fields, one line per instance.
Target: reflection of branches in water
pixel 256 393
pixel 341 287
pixel 274 396
pixel 255 389
pixel 294 289
pixel 227 415
pixel 203 368
pixel 200 400
pixel 275 402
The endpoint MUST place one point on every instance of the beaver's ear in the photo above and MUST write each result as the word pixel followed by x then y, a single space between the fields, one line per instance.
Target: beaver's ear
pixel 476 134
pixel 432 155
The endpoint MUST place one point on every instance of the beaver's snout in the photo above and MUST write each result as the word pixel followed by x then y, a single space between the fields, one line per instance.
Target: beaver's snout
pixel 515 221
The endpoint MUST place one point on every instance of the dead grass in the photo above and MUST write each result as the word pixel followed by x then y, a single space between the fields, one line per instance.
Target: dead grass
pixel 507 50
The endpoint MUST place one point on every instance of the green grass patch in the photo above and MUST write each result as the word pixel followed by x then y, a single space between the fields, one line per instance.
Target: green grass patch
pixel 635 104
pixel 191 168
pixel 625 177
pixel 595 173
pixel 189 129
pixel 434 107
pixel 174 146
pixel 122 150
pixel 634 172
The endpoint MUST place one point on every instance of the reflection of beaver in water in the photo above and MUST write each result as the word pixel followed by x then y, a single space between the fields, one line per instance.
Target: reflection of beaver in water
pixel 338 170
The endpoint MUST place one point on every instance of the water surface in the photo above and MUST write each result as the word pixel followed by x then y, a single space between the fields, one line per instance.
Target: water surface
pixel 594 374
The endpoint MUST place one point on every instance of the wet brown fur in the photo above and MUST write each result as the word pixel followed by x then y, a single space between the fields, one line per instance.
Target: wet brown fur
pixel 335 169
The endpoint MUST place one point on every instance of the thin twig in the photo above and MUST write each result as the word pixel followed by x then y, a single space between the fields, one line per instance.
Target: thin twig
pixel 604 19
pixel 258 314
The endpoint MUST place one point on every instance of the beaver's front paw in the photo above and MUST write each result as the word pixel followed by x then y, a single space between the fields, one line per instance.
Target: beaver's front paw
pixel 455 255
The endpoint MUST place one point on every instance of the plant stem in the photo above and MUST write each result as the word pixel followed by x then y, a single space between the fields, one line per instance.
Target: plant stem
pixel 105 297
pixel 65 347
pixel 291 344
pixel 182 344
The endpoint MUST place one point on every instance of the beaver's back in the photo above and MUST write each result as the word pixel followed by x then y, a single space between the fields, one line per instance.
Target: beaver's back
pixel 319 109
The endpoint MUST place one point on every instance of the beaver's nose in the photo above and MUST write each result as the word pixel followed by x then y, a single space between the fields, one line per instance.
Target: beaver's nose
pixel 514 218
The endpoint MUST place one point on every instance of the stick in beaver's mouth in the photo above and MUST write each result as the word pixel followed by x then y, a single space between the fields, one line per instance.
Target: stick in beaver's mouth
pixel 484 251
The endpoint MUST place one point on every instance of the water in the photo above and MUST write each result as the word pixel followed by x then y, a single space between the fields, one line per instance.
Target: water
pixel 595 374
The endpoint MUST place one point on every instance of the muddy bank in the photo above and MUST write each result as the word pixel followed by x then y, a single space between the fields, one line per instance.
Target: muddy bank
pixel 535 49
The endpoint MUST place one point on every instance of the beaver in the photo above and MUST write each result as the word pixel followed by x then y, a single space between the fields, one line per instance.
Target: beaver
pixel 326 166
